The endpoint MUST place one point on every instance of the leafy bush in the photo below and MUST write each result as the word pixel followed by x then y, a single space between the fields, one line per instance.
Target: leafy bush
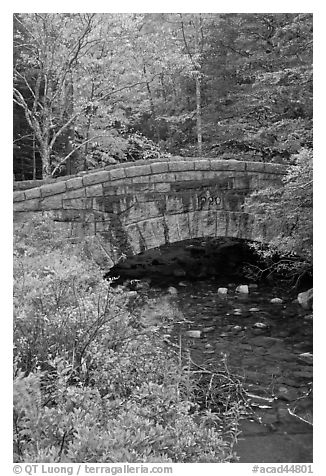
pixel 93 381
pixel 285 213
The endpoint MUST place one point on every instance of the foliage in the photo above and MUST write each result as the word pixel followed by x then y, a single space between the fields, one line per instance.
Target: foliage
pixel 94 382
pixel 241 84
pixel 285 213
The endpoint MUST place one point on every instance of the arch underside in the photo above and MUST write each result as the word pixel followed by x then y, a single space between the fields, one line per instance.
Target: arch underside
pixel 126 240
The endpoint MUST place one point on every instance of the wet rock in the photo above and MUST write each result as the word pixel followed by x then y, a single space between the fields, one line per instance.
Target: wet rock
pixel 172 290
pixel 242 289
pixel 183 284
pixel 224 334
pixel 209 329
pixel 252 286
pixel 236 328
pixel 286 393
pixel 222 290
pixel 208 346
pixel 194 334
pixel 276 301
pixel 237 312
pixel 260 325
pixel 179 272
pixel 306 299
pixel 132 294
pixel 307 357
pixel 254 309
pixel 245 347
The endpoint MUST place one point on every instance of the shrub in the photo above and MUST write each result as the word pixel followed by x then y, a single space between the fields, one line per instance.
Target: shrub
pixel 94 381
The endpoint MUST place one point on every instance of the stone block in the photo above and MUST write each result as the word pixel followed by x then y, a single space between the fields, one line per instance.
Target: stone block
pixel 256 167
pixel 139 212
pixel 118 188
pixel 96 177
pixel 196 226
pixel 181 203
pixel 94 190
pixel 19 196
pixel 117 174
pixel 183 226
pixel 78 193
pixel 74 183
pixel 184 175
pixel 203 164
pixel 232 165
pixel 33 193
pixel 159 167
pixel 138 170
pixel 162 187
pixel 181 165
pixel 166 177
pixel 27 205
pixel 153 232
pixel 172 222
pixel 140 179
pixel 53 189
pixel 208 219
pixel 77 203
pixel 51 203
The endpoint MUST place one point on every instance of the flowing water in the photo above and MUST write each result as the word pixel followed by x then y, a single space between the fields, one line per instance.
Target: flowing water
pixel 270 345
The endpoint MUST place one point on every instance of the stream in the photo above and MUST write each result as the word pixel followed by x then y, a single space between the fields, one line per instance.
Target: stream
pixel 268 344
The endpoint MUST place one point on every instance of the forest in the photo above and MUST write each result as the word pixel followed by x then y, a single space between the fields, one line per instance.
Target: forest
pixel 92 88
pixel 93 381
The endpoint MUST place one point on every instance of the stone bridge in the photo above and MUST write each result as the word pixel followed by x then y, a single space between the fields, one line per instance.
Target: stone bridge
pixel 142 205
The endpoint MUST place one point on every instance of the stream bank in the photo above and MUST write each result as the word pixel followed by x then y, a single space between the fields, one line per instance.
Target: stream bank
pixel 265 336
pixel 267 344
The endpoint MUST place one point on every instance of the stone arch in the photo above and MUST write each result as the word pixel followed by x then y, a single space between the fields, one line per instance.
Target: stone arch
pixel 144 205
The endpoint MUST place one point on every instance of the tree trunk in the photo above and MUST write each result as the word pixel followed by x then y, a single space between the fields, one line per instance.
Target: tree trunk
pixel 71 165
pixel 198 116
pixel 198 90
pixel 151 101
pixel 46 161
pixel 34 158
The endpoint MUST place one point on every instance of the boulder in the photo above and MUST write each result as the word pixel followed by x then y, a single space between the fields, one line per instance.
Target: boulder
pixel 243 289
pixel 260 325
pixel 222 290
pixel 237 312
pixel 276 301
pixel 172 290
pixel 195 334
pixel 286 393
pixel 132 294
pixel 305 299
pixel 209 329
